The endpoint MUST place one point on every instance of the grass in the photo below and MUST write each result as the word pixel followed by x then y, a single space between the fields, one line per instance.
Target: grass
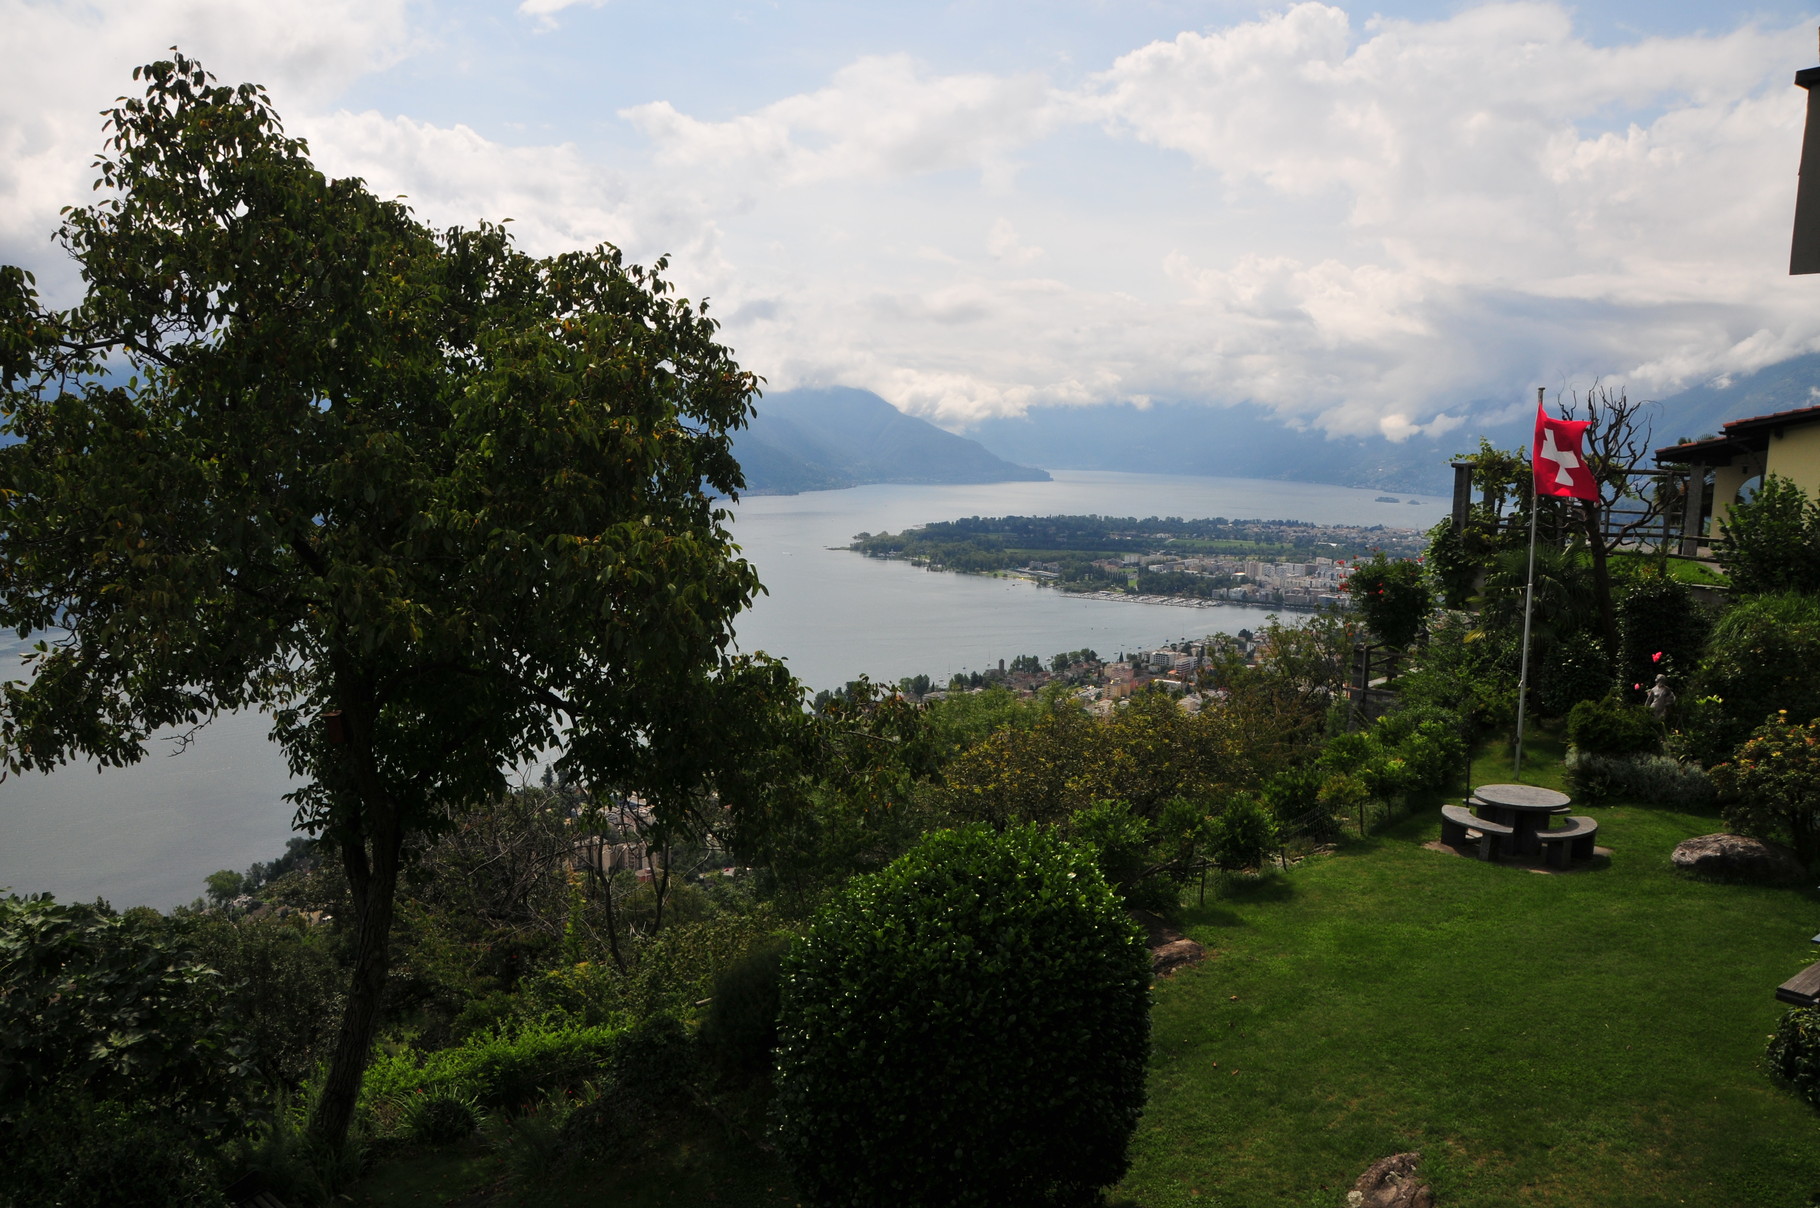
pixel 1585 1039
pixel 1686 570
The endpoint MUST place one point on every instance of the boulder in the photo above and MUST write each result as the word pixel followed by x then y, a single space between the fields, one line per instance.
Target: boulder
pixel 1391 1183
pixel 1738 858
pixel 1166 958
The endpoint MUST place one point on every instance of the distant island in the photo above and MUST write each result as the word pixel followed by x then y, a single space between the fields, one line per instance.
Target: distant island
pixel 835 437
pixel 1274 563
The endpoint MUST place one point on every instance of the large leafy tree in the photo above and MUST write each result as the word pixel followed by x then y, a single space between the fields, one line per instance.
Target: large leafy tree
pixel 433 504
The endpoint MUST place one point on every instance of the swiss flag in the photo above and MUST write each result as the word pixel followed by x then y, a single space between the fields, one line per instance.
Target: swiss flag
pixel 1560 470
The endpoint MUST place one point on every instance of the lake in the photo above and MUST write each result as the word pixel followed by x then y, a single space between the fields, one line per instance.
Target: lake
pixel 151 833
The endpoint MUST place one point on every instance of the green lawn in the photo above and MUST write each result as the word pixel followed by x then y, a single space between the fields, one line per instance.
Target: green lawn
pixel 1592 1038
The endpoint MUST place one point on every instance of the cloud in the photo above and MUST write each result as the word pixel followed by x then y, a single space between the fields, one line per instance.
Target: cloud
pixel 881 118
pixel 60 65
pixel 1005 246
pixel 1402 217
pixel 1366 225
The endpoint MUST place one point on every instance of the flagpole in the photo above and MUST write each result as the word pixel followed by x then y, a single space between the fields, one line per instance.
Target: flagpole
pixel 1529 595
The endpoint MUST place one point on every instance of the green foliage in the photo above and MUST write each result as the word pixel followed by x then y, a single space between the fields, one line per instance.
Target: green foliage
pixel 1651 779
pixel 1793 1054
pixel 293 450
pixel 1465 669
pixel 224 886
pixel 1428 739
pixel 1119 839
pixel 1392 596
pixel 739 1029
pixel 505 1069
pixel 1662 631
pixel 108 1006
pixel 1453 571
pixel 1026 664
pixel 1243 835
pixel 1572 669
pixel 1770 787
pixel 285 988
pixel 79 1152
pixel 969 1026
pixel 1293 797
pixel 441 1119
pixel 1608 726
pixel 114 1049
pixel 1763 656
pixel 1772 542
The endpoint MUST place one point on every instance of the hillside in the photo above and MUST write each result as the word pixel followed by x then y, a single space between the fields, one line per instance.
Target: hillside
pixel 1249 441
pixel 827 438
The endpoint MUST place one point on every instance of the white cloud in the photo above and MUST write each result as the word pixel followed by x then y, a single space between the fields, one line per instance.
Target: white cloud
pixel 1005 246
pixel 881 118
pixel 549 8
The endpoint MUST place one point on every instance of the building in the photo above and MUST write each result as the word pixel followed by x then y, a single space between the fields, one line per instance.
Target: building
pixel 1733 464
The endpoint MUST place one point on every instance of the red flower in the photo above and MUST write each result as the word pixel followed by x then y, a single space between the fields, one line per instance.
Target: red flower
pixel 1656 657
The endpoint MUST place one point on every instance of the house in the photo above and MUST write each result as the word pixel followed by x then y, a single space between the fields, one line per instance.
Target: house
pixel 1733 464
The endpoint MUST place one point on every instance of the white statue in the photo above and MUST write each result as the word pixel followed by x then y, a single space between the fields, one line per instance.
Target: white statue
pixel 1661 698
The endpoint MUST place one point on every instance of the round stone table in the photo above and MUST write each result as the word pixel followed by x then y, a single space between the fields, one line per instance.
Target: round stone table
pixel 1525 808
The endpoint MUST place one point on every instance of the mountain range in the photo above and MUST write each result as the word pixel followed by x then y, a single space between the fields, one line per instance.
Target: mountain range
pixel 826 438
pixel 1249 441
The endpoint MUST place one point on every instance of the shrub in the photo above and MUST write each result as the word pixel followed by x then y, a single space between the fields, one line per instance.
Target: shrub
pixel 1794 1051
pixel 739 1031
pixel 969 1026
pixel 1661 632
pixel 1392 597
pixel 1608 726
pixel 1763 655
pixel 1770 789
pixel 503 1069
pixel 1244 835
pixel 1652 779
pixel 442 1120
pixel 1772 542
pixel 645 1090
pixel 121 1076
pixel 86 1153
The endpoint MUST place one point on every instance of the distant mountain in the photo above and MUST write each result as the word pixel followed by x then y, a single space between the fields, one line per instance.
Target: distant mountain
pixel 1248 441
pixel 1700 410
pixel 832 437
pixel 1243 441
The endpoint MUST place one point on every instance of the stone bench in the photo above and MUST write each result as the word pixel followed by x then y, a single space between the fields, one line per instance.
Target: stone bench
pixel 1575 840
pixel 1456 820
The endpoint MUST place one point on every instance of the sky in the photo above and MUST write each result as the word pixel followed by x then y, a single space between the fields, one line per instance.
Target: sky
pixel 1369 219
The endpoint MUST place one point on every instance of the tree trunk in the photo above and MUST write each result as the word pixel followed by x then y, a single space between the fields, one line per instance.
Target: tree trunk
pixel 1608 611
pixel 372 885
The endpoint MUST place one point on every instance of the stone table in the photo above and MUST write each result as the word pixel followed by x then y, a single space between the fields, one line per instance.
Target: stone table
pixel 1525 808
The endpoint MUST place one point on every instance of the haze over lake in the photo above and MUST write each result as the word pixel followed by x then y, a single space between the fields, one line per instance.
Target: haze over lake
pixel 151 833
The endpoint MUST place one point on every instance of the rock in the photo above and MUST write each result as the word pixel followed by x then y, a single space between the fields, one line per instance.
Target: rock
pixel 1738 858
pixel 1167 958
pixel 1391 1183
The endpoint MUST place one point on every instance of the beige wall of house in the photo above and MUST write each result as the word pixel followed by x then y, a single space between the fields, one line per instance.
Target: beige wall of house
pixel 1726 481
pixel 1795 455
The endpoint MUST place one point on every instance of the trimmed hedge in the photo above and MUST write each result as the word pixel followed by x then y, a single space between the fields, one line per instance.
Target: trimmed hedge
pixel 968 1027
pixel 1794 1051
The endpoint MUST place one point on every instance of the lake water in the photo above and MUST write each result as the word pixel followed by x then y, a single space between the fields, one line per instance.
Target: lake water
pixel 151 833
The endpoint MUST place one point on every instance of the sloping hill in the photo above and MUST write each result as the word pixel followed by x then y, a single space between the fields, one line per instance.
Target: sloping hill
pixel 830 437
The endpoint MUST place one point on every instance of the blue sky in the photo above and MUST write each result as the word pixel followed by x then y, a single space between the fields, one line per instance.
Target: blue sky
pixel 1369 219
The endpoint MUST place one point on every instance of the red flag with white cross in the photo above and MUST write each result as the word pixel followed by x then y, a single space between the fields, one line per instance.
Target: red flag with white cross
pixel 1555 456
